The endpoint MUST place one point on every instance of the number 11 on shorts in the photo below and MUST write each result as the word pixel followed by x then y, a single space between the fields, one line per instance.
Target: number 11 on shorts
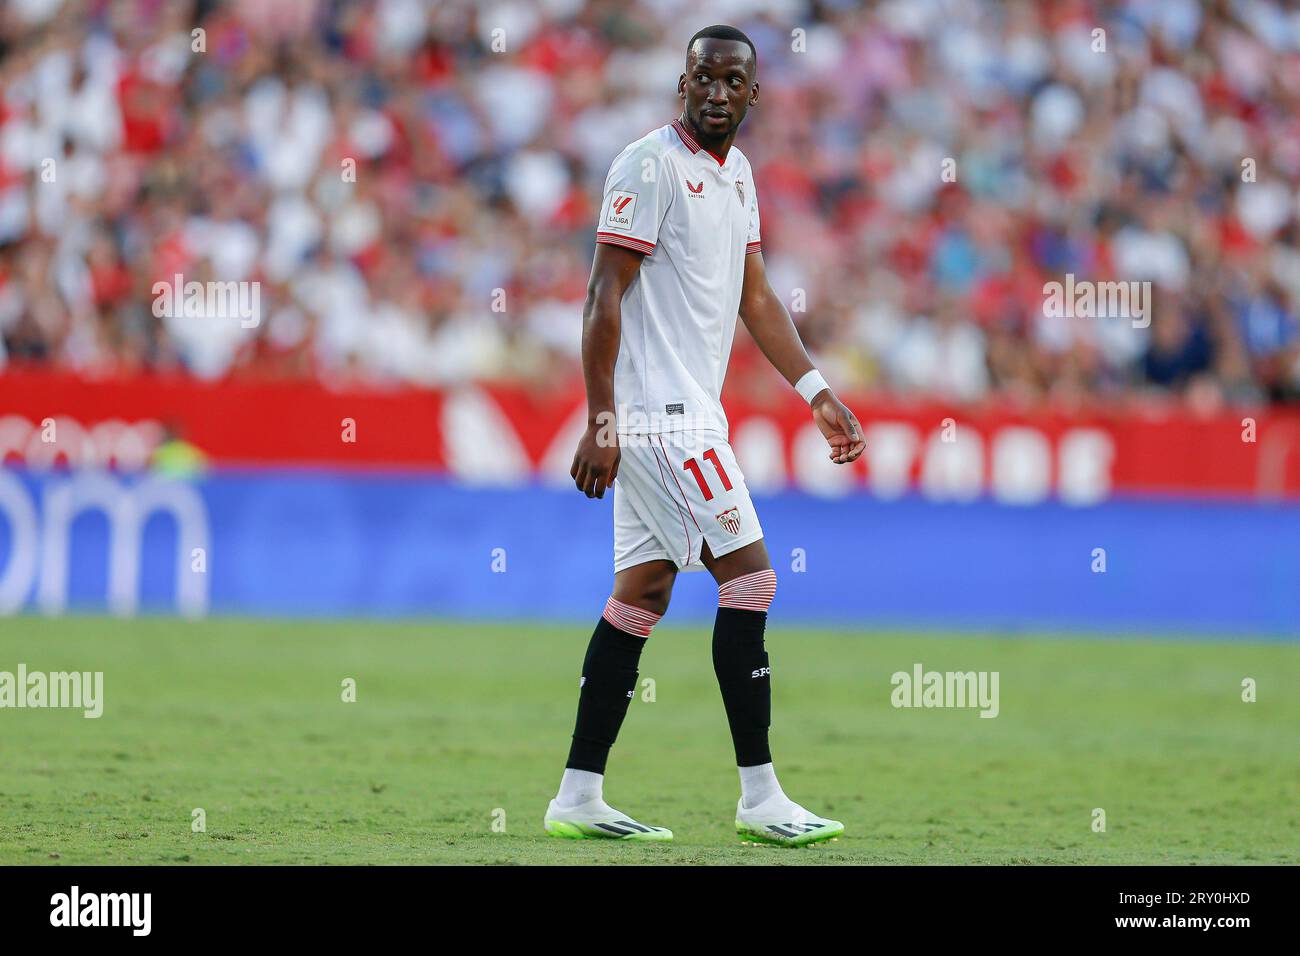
pixel 694 468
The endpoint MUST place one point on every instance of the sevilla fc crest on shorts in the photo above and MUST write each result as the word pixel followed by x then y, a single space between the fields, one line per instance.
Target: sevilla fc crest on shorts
pixel 730 520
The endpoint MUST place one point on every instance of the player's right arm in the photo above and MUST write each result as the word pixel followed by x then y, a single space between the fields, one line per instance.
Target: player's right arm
pixel 595 464
pixel 637 196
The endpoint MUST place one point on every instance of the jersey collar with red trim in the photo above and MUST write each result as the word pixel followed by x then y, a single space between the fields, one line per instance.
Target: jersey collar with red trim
pixel 689 141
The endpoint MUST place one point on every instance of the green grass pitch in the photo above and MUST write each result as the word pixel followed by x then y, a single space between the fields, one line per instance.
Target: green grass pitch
pixel 458 735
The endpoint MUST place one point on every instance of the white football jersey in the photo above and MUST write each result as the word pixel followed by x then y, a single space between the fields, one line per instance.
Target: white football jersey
pixel 694 219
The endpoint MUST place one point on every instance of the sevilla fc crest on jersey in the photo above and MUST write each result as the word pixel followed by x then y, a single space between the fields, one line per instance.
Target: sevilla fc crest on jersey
pixel 730 520
pixel 740 190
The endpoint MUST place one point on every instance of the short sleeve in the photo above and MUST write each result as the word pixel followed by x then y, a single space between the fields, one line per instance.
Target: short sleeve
pixel 754 243
pixel 637 193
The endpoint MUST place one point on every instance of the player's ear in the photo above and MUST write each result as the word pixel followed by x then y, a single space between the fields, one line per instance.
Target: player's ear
pixel 753 94
pixel 681 87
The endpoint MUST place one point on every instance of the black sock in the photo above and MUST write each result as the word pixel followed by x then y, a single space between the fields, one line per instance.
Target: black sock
pixel 740 662
pixel 608 682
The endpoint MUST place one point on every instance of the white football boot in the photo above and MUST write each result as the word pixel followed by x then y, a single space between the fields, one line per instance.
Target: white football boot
pixel 596 819
pixel 780 821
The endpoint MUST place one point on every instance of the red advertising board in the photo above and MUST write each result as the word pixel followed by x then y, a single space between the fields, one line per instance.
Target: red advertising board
pixel 508 434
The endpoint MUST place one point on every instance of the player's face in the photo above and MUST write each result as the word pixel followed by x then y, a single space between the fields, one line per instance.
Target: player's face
pixel 718 87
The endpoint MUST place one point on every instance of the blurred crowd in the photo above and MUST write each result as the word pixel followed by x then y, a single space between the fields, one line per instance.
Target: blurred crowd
pixel 415 185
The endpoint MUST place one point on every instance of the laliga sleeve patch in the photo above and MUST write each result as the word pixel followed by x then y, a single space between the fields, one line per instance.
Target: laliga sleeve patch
pixel 620 210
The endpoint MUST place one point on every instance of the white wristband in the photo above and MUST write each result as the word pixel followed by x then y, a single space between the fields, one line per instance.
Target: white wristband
pixel 811 383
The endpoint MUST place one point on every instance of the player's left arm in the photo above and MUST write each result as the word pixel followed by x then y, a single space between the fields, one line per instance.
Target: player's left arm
pixel 770 324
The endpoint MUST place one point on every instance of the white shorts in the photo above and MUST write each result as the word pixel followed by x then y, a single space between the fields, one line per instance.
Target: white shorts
pixel 675 491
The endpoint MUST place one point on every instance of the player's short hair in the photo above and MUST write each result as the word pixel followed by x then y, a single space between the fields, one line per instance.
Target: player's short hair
pixel 720 31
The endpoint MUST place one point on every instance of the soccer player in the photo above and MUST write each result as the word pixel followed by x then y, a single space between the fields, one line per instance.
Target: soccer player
pixel 677 258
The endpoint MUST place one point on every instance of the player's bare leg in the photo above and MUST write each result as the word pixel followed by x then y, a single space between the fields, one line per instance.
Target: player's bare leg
pixel 746 586
pixel 609 676
pixel 648 585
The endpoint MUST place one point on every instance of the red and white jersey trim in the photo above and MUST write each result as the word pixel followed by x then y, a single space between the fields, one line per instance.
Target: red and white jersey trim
pixel 628 242
pixel 753 247
pixel 690 142
pixel 686 136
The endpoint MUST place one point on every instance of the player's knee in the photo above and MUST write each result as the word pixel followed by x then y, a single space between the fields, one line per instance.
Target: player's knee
pixel 650 592
pixel 749 592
